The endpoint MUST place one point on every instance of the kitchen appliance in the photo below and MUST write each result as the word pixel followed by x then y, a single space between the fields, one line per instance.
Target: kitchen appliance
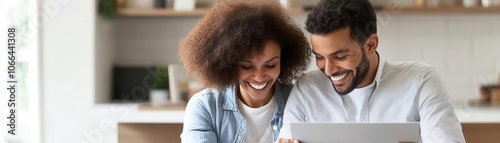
pixel 134 84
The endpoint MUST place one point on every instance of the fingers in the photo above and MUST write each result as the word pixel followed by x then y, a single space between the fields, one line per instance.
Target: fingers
pixel 283 140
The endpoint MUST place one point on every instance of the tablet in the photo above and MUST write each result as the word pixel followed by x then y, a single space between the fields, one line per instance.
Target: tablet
pixel 355 132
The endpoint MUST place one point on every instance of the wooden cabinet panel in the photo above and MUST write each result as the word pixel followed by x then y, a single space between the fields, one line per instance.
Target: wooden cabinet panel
pixel 149 133
pixel 481 132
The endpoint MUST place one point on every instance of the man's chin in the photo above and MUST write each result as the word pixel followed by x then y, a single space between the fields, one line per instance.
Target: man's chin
pixel 343 90
pixel 340 92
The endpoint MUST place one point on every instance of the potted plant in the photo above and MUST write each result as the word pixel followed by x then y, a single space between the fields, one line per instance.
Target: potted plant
pixel 159 92
pixel 107 8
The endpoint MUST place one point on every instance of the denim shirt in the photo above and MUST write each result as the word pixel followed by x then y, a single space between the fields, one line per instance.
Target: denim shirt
pixel 212 116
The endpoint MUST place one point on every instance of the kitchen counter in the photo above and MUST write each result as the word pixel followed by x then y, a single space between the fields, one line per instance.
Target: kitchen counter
pixel 479 123
pixel 470 114
pixel 130 113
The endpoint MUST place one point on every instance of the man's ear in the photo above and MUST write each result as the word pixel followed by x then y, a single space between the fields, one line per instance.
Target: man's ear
pixel 371 43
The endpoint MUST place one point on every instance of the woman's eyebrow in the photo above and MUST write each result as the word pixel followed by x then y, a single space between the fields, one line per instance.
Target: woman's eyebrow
pixel 272 59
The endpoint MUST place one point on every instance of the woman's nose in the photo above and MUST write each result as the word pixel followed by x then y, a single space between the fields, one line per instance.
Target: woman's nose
pixel 259 75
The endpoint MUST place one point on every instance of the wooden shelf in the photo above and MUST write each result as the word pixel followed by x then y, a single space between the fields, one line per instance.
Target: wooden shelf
pixel 164 106
pixel 456 9
pixel 161 13
pixel 198 12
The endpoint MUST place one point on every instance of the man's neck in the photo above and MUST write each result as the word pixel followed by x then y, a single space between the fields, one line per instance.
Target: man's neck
pixel 373 61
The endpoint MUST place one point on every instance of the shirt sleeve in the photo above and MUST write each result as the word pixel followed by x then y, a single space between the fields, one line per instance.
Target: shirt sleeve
pixel 197 127
pixel 438 120
pixel 294 111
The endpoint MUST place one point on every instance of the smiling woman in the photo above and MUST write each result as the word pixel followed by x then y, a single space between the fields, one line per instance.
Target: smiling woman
pixel 247 54
pixel 257 75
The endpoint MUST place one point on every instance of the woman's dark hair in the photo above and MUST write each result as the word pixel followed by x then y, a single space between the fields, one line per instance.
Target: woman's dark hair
pixel 332 15
pixel 235 30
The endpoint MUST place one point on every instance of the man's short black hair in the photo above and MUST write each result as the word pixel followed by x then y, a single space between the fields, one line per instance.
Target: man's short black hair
pixel 332 15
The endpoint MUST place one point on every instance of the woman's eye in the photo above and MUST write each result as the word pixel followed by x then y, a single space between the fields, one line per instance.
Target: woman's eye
pixel 246 67
pixel 270 66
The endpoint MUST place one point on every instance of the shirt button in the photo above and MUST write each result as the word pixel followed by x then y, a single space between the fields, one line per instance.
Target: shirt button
pixel 275 128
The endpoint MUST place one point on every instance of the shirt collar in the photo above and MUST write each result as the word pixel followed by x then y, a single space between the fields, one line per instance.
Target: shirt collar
pixel 380 68
pixel 230 102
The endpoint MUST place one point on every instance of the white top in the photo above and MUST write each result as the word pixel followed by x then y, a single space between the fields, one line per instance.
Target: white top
pixel 353 102
pixel 404 92
pixel 258 122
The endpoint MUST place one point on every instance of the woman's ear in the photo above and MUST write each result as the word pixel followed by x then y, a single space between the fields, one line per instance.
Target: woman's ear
pixel 371 43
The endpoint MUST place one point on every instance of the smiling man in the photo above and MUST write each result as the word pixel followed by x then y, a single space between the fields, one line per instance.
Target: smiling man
pixel 356 84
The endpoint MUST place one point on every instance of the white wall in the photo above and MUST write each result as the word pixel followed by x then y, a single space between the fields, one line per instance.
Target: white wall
pixel 149 41
pixel 463 46
pixel 68 72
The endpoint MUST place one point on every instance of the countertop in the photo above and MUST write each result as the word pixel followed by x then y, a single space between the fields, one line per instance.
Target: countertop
pixel 130 113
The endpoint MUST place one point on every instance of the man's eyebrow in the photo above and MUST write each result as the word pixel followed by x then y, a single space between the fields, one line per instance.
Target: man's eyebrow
pixel 345 50
pixel 315 53
pixel 336 52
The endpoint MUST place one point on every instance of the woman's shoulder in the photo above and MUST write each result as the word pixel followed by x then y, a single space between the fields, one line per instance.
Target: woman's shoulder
pixel 205 96
pixel 209 99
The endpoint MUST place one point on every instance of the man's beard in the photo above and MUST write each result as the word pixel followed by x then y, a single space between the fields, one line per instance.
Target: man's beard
pixel 361 71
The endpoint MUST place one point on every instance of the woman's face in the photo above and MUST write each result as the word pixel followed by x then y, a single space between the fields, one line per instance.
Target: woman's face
pixel 256 76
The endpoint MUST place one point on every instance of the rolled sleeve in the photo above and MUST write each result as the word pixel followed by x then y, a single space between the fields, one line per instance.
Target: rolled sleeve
pixel 439 123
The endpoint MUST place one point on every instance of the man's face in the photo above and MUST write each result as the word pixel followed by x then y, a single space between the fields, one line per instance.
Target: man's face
pixel 341 59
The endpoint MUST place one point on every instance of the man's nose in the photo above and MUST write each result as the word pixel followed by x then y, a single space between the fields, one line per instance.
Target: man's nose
pixel 331 67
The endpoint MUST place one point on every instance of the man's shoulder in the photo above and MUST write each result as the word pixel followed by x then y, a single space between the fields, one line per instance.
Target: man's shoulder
pixel 314 80
pixel 408 64
pixel 313 75
pixel 407 67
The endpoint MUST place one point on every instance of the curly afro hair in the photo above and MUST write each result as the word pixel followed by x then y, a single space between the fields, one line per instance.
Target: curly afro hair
pixel 234 30
pixel 332 15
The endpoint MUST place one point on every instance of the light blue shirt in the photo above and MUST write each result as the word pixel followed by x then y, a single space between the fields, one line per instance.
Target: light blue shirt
pixel 213 116
pixel 403 92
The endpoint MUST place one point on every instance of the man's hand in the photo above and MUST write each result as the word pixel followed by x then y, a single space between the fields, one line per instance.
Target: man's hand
pixel 283 140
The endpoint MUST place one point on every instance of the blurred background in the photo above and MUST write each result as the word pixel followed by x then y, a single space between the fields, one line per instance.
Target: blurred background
pixel 107 70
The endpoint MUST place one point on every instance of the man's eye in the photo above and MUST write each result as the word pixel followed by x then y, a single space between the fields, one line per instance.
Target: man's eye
pixel 319 58
pixel 341 58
